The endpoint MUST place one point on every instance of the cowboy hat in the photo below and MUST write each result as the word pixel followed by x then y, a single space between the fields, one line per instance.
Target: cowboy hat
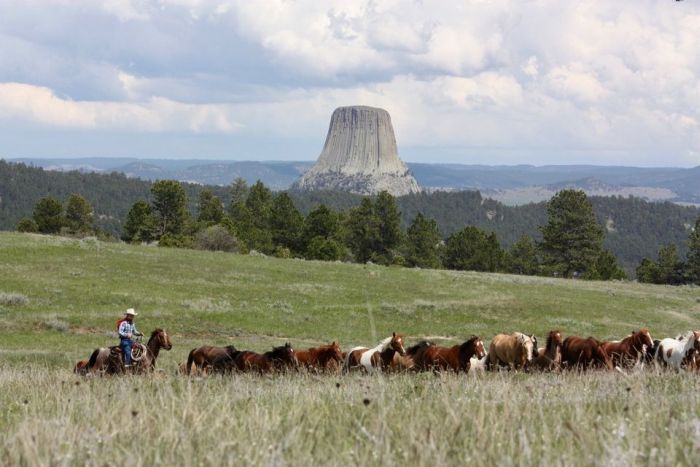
pixel 131 312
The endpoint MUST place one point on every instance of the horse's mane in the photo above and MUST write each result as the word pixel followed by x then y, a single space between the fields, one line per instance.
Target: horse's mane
pixel 384 344
pixel 550 338
pixel 468 343
pixel 415 348
pixel 279 352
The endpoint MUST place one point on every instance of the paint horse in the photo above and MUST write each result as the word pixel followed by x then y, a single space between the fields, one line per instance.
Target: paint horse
pixel 456 358
pixel 202 357
pixel 380 357
pixel 514 350
pixel 323 358
pixel 679 353
pixel 549 357
pixel 627 352
pixel 277 359
pixel 584 353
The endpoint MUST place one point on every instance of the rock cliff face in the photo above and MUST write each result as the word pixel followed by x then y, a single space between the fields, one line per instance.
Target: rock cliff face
pixel 359 156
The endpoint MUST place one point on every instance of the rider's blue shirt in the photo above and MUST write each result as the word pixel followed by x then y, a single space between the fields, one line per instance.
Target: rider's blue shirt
pixel 126 328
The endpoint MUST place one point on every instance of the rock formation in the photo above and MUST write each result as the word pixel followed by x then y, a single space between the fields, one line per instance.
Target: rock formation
pixel 359 156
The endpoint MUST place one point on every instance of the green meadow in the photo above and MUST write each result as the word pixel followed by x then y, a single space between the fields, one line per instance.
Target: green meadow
pixel 60 299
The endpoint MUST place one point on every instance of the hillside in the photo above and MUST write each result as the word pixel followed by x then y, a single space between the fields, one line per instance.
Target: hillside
pixel 79 288
pixel 636 228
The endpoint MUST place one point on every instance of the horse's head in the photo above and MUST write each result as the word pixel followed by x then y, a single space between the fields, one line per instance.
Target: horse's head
pixel 527 345
pixel 644 338
pixel 231 350
pixel 397 344
pixel 283 354
pixel 479 351
pixel 334 352
pixel 162 337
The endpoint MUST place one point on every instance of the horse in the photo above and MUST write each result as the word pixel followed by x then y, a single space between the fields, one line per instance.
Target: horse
pixel 408 361
pixel 549 357
pixel 584 353
pixel 202 357
pixel 455 358
pixel 325 357
pixel 81 367
pixel 627 351
pixel 225 363
pixel 513 350
pixel 650 352
pixel 678 353
pixel 278 358
pixel 109 360
pixel 380 356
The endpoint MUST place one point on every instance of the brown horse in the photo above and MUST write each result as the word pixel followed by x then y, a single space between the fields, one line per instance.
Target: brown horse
pixel 109 360
pixel 81 368
pixel 323 358
pixel 455 358
pixel 584 353
pixel 202 357
pixel 549 358
pixel 513 350
pixel 380 357
pixel 408 361
pixel 225 363
pixel 279 358
pixel 628 351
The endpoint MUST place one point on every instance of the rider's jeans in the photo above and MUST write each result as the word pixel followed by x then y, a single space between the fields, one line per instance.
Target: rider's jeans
pixel 125 344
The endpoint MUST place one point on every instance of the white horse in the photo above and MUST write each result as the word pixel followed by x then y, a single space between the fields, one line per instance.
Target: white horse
pixel 378 357
pixel 674 352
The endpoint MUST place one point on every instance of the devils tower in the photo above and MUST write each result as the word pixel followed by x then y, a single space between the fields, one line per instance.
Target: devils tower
pixel 359 156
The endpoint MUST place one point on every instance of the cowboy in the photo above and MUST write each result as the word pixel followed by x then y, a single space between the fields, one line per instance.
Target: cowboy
pixel 127 330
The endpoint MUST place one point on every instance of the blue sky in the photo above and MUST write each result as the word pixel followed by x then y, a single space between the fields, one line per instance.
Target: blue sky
pixel 489 82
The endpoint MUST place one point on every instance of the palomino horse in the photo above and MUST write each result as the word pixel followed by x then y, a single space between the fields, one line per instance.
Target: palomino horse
pixel 513 350
pixel 380 356
pixel 323 358
pixel 202 357
pixel 109 360
pixel 584 353
pixel 678 353
pixel 628 351
pixel 278 358
pixel 549 358
pixel 455 358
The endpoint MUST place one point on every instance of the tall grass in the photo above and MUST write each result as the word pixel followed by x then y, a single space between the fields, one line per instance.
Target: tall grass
pixel 55 418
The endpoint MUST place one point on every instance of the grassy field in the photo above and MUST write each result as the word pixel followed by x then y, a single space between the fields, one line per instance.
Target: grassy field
pixel 60 298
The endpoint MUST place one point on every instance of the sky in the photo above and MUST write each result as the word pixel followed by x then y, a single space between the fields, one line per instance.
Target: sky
pixel 478 82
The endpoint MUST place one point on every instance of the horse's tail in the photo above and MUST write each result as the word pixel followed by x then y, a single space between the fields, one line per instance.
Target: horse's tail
pixel 93 359
pixel 190 359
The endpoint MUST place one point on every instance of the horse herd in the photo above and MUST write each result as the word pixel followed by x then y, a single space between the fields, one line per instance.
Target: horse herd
pixel 516 351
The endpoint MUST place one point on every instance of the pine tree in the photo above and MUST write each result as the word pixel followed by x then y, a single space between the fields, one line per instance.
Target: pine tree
pixel 693 263
pixel 572 239
pixel 606 268
pixel 48 215
pixel 669 265
pixel 647 271
pixel 388 216
pixel 211 210
pixel 239 193
pixel 321 222
pixel 140 223
pixel 254 223
pixel 286 223
pixel 471 249
pixel 422 243
pixel 522 257
pixel 170 206
pixel 79 215
pixel 363 233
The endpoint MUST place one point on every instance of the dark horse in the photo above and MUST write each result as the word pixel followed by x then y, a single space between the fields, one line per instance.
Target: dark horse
pixel 628 350
pixel 225 363
pixel 202 357
pixel 584 353
pixel 455 358
pixel 549 358
pixel 109 360
pixel 278 358
pixel 322 358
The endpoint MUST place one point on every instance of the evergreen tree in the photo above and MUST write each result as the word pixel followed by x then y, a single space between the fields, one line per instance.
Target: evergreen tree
pixel 140 224
pixel 387 213
pixel 286 223
pixel 170 206
pixel 239 194
pixel 362 230
pixel 522 257
pixel 79 215
pixel 471 249
pixel 422 243
pixel 27 225
pixel 321 222
pixel 693 263
pixel 669 266
pixel 211 210
pixel 606 268
pixel 48 215
pixel 253 225
pixel 647 271
pixel 325 249
pixel 572 239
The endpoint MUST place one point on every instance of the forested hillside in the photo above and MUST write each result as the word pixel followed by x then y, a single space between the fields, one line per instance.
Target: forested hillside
pixel 634 228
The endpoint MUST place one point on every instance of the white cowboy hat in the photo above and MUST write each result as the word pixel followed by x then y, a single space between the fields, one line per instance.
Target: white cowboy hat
pixel 131 312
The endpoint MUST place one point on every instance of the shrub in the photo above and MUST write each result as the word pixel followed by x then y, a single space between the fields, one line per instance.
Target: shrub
pixel 176 241
pixel 13 299
pixel 216 238
pixel 324 249
pixel 27 225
